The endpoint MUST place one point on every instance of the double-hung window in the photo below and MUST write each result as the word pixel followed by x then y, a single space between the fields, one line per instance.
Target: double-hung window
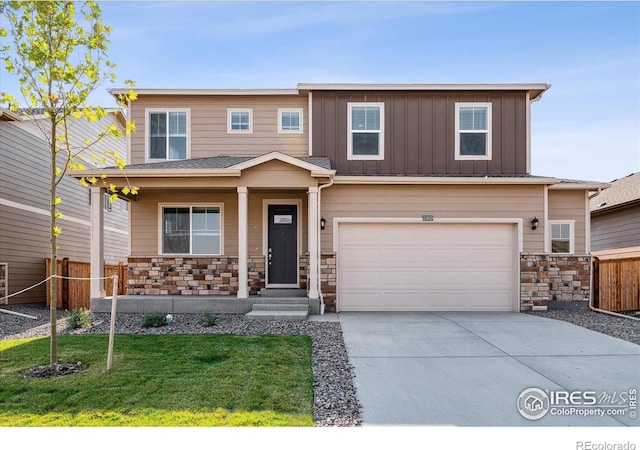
pixel 473 131
pixel 240 120
pixel 191 230
pixel 562 238
pixel 365 130
pixel 167 134
pixel 289 120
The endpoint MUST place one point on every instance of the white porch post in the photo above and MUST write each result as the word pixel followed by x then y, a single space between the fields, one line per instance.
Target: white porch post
pixel 312 217
pixel 97 242
pixel 243 269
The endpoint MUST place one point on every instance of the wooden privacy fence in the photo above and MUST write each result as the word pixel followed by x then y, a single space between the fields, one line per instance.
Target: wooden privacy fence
pixel 616 284
pixel 75 294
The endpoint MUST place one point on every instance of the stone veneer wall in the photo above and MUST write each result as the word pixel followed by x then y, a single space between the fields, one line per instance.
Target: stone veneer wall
pixel 218 275
pixel 553 277
pixel 328 278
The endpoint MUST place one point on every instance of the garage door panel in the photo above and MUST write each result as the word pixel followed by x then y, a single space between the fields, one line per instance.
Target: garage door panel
pixel 426 267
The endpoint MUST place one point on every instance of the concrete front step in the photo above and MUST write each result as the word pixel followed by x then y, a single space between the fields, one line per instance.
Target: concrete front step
pixel 280 307
pixel 279 293
pixel 277 315
pixel 281 300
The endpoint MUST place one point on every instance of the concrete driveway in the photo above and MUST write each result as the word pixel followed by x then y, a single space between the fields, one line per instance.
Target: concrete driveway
pixel 471 368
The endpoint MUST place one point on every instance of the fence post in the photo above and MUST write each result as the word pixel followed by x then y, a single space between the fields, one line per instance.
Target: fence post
pixel 112 328
pixel 596 281
pixel 65 283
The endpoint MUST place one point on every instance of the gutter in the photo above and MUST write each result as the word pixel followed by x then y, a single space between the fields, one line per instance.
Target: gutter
pixel 320 188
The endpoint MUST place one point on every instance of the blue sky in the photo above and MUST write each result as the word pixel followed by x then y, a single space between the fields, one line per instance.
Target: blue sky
pixel 587 126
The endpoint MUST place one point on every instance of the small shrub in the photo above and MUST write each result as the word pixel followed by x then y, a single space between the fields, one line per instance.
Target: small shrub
pixel 79 318
pixel 153 320
pixel 208 319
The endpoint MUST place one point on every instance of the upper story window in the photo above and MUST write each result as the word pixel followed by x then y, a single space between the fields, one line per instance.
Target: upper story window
pixel 365 130
pixel 240 120
pixel 473 131
pixel 167 134
pixel 562 238
pixel 289 120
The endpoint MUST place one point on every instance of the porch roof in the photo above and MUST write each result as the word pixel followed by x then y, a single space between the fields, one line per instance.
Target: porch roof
pixel 217 162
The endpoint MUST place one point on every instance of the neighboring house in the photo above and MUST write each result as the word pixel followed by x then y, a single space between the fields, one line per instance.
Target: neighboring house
pixel 369 197
pixel 615 215
pixel 24 205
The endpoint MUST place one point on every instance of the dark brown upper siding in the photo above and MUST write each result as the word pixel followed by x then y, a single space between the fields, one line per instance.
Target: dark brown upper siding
pixel 420 133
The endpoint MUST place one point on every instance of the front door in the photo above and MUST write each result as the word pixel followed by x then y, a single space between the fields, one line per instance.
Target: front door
pixel 282 253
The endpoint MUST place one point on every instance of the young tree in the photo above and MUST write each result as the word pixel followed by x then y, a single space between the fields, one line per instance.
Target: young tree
pixel 58 52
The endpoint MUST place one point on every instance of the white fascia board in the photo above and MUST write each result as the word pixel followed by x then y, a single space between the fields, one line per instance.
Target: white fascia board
pixel 317 170
pixel 443 180
pixel 591 186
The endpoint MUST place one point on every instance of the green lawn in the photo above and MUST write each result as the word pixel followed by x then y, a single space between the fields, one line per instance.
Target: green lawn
pixel 161 380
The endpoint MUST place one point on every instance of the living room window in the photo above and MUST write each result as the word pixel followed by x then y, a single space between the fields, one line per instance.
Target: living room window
pixel 562 236
pixel 240 120
pixel 473 131
pixel 289 120
pixel 191 230
pixel 167 134
pixel 365 131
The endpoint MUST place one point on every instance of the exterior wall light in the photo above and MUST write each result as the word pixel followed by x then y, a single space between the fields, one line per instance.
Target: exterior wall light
pixel 323 223
pixel 534 223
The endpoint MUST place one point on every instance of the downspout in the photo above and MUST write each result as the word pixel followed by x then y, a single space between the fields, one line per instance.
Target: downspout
pixel 591 307
pixel 320 188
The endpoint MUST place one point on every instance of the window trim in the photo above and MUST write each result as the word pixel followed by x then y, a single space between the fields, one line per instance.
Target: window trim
pixel 300 111
pixel 350 155
pixel 147 133
pixel 488 132
pixel 230 111
pixel 572 236
pixel 161 207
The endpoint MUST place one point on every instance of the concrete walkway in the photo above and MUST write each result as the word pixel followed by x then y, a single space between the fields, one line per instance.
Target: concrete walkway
pixel 469 369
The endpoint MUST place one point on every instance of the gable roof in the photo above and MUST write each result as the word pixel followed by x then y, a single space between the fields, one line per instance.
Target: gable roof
pixel 623 191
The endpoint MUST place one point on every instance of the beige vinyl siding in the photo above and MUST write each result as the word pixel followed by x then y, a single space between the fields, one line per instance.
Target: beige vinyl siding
pixel 24 214
pixel 616 229
pixel 440 201
pixel 208 134
pixel 145 221
pixel 570 205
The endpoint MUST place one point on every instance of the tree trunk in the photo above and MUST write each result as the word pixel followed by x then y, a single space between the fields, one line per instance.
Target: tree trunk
pixel 53 352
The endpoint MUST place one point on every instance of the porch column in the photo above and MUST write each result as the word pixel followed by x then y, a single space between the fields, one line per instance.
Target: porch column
pixel 243 269
pixel 97 242
pixel 312 216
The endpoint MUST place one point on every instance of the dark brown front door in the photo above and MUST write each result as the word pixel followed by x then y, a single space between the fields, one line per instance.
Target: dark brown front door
pixel 282 256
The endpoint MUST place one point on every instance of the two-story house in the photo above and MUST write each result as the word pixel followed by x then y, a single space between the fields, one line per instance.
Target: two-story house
pixel 369 197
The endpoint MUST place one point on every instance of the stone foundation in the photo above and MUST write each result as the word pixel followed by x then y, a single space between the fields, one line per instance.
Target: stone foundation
pixel 328 279
pixel 545 278
pixel 213 276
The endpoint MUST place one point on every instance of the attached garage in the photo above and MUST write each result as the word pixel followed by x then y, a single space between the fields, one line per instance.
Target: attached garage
pixel 427 266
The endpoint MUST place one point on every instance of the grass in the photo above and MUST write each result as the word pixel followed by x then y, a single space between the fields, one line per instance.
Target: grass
pixel 161 380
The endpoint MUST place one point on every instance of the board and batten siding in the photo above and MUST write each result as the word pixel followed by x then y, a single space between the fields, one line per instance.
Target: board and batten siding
pixel 208 134
pixel 419 131
pixel 453 201
pixel 145 222
pixel 570 205
pixel 619 228
pixel 24 215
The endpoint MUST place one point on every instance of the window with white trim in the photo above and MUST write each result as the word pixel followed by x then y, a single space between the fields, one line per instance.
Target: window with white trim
pixel 191 230
pixel 167 134
pixel 289 120
pixel 365 130
pixel 561 236
pixel 240 120
pixel 473 131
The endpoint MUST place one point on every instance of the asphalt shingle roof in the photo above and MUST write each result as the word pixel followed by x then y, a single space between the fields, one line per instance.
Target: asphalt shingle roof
pixel 217 162
pixel 622 190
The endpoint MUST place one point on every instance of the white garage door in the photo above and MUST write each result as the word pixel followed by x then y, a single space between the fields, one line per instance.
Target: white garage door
pixel 427 267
